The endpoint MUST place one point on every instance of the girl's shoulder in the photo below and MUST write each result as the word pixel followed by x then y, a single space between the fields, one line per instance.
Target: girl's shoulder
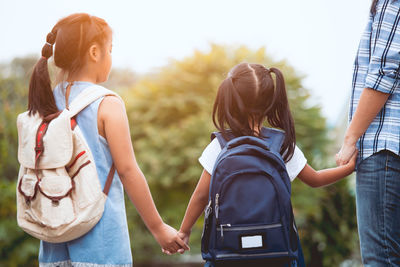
pixel 210 154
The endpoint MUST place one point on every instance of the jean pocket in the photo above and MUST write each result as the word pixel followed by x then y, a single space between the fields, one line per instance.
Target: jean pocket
pixel 375 162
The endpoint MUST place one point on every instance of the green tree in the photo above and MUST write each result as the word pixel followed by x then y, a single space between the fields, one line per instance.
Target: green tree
pixel 170 115
pixel 16 247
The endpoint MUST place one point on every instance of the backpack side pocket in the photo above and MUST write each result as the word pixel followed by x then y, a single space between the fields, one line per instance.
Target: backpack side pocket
pixel 205 236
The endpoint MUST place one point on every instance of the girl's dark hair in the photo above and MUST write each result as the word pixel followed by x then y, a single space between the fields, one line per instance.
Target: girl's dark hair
pixel 248 97
pixel 374 5
pixel 72 37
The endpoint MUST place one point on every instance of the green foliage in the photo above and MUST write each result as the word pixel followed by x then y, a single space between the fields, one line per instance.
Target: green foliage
pixel 170 115
pixel 16 247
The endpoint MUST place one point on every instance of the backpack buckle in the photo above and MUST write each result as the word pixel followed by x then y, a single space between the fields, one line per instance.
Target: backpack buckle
pixel 39 148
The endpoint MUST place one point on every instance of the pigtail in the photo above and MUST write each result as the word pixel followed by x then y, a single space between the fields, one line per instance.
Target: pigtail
pixel 74 35
pixel 41 97
pixel 247 97
pixel 373 7
pixel 230 110
pixel 279 115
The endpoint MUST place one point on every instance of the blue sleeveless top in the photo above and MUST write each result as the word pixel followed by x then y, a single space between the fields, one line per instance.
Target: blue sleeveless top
pixel 107 244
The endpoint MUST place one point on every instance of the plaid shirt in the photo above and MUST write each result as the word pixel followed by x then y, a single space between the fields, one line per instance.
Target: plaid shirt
pixel 377 66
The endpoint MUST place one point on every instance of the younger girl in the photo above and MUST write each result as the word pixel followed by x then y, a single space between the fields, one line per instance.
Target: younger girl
pixel 83 45
pixel 246 99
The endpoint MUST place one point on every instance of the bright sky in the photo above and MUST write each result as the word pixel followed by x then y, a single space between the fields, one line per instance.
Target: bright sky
pixel 318 37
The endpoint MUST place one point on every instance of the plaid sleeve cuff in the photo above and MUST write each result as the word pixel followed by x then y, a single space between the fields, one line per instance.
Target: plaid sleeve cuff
pixel 385 83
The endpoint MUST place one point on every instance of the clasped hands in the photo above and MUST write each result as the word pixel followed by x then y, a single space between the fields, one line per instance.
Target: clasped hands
pixel 171 241
pixel 347 152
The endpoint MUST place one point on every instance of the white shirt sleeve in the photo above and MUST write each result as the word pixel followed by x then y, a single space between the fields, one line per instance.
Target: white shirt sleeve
pixel 209 155
pixel 294 166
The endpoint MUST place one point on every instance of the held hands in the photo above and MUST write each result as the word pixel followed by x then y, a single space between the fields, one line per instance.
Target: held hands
pixel 344 153
pixel 169 240
pixel 347 153
pixel 185 238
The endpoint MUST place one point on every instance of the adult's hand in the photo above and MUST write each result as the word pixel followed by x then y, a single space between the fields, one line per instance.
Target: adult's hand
pixel 346 152
pixel 371 102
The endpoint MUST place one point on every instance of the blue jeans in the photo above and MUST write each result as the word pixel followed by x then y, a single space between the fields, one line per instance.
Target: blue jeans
pixel 378 209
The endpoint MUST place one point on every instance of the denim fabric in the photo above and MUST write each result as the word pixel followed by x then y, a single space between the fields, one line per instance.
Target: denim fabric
pixel 107 244
pixel 378 209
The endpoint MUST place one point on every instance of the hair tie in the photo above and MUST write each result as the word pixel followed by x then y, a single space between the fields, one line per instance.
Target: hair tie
pixel 49 44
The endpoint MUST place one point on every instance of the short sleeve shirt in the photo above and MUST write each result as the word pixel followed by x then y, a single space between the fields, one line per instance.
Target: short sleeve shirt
pixel 294 166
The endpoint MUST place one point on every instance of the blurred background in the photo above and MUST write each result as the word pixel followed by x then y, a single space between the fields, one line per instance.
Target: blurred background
pixel 169 58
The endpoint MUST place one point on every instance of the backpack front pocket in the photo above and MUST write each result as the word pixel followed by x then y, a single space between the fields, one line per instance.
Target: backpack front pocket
pixel 50 204
pixel 263 240
pixel 27 187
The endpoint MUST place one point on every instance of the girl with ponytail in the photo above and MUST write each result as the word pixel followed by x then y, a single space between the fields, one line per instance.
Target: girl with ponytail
pixel 82 47
pixel 248 98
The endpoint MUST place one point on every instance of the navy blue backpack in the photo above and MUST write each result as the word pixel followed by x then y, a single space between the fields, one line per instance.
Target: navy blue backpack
pixel 249 215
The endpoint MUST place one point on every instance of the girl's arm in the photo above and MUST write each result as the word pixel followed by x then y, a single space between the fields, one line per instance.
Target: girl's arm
pixel 196 206
pixel 315 178
pixel 113 125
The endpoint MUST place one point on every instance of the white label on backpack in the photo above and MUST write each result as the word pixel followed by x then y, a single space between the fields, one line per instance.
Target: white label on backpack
pixel 254 241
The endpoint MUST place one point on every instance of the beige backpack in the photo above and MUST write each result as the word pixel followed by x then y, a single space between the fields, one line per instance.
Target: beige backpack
pixel 59 196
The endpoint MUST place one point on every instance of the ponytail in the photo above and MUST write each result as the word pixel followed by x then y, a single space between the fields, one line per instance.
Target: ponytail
pixel 373 7
pixel 279 115
pixel 230 110
pixel 75 34
pixel 248 97
pixel 41 97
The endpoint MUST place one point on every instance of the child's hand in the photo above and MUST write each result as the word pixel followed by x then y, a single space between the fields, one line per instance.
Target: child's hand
pixel 169 240
pixel 185 237
pixel 352 162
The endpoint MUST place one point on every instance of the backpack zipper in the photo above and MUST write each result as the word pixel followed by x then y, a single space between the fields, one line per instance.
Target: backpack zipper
pixel 251 227
pixel 222 229
pixel 216 207
pixel 208 209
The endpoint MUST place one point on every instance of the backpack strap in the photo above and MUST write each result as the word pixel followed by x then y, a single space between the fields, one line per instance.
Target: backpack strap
pixel 109 180
pixel 84 99
pixel 273 138
pixel 87 97
pixel 221 140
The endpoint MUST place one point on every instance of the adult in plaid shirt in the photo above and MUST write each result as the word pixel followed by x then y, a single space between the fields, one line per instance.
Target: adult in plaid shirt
pixel 374 130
